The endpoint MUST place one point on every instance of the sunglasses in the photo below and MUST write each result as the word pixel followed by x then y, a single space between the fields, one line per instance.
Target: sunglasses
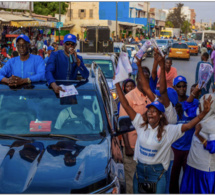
pixel 181 86
pixel 21 45
pixel 70 43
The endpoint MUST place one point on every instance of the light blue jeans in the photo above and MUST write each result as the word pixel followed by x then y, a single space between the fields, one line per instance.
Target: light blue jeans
pixel 150 173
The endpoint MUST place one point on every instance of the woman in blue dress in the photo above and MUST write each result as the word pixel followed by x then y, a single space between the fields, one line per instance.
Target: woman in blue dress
pixel 199 175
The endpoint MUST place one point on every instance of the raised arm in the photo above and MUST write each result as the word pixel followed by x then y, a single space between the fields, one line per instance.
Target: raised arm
pixel 194 94
pixel 196 120
pixel 163 86
pixel 155 67
pixel 144 82
pixel 131 113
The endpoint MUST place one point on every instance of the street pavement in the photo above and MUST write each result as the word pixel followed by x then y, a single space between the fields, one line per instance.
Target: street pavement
pixel 184 68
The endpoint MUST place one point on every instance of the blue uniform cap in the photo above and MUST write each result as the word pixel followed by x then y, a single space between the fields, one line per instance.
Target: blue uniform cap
pixel 70 37
pixel 157 105
pixel 50 48
pixel 172 94
pixel 24 37
pixel 179 79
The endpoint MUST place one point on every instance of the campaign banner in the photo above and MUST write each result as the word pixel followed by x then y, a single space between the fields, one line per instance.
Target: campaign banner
pixel 22 5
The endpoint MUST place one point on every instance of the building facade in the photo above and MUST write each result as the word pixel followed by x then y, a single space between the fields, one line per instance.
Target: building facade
pixel 131 17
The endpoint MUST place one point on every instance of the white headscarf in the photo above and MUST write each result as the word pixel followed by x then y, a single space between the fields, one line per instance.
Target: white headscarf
pixel 208 122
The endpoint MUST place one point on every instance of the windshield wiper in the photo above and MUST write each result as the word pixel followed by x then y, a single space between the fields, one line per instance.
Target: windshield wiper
pixel 50 135
pixel 14 136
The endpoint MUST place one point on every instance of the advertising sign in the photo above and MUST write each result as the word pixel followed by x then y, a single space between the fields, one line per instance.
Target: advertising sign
pixel 23 5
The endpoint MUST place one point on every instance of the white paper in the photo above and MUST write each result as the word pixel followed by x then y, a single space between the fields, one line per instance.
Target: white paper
pixel 69 91
pixel 205 73
pixel 125 62
pixel 120 74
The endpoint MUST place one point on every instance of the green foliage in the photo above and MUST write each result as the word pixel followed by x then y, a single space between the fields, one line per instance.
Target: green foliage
pixel 186 27
pixel 169 24
pixel 176 16
pixel 49 8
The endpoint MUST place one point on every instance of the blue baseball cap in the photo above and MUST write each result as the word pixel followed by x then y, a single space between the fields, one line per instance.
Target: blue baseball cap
pixel 70 37
pixel 157 105
pixel 179 79
pixel 172 94
pixel 50 48
pixel 24 37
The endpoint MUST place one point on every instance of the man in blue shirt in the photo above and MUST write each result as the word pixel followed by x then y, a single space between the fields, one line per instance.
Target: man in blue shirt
pixel 25 68
pixel 65 65
pixel 49 50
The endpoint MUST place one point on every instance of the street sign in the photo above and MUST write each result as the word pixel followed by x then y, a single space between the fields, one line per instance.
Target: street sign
pixel 59 24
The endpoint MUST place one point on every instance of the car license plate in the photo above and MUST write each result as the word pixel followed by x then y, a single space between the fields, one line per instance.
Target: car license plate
pixel 179 52
pixel 192 48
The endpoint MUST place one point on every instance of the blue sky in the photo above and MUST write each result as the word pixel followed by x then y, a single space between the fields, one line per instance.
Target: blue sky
pixel 204 10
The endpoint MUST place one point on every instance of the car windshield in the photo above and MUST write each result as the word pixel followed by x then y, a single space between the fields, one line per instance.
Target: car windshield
pixel 116 49
pixel 191 43
pixel 161 42
pixel 40 111
pixel 180 46
pixel 105 65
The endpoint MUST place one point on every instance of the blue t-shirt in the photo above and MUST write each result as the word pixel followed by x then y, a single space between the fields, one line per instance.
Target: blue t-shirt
pixel 153 83
pixel 184 142
pixel 33 68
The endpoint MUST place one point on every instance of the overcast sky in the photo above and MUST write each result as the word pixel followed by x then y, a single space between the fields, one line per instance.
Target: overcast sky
pixel 204 10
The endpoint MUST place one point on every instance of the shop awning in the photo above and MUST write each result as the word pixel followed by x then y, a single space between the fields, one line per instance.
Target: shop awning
pixel 126 24
pixel 33 24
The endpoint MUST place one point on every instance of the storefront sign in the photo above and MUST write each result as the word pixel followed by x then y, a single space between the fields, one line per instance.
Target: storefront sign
pixel 23 5
pixel 33 24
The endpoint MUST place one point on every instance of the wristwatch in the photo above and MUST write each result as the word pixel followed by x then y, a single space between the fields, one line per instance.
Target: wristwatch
pixel 29 80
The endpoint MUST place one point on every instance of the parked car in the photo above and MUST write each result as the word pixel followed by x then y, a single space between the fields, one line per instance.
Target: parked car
pixel 134 48
pixel 164 45
pixel 58 145
pixel 150 51
pixel 194 49
pixel 107 63
pixel 119 47
pixel 179 50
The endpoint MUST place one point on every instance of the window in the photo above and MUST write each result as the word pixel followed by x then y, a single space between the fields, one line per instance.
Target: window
pixel 91 13
pixel 130 12
pixel 82 13
pixel 180 46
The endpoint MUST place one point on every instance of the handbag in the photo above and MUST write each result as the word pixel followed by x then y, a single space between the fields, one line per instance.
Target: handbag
pixel 148 187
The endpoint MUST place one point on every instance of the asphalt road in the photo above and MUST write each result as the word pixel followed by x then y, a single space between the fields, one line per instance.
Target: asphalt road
pixel 184 68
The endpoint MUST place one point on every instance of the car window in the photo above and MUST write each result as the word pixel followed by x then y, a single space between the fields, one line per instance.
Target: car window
pixel 180 46
pixel 105 65
pixel 161 42
pixel 191 43
pixel 22 110
pixel 116 49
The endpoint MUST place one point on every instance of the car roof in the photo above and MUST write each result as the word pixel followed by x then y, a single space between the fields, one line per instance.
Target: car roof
pixel 107 56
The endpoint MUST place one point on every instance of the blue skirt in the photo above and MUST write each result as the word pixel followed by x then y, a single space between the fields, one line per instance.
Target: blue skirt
pixel 197 182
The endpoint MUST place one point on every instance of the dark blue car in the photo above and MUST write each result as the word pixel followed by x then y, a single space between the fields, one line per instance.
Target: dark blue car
pixel 59 145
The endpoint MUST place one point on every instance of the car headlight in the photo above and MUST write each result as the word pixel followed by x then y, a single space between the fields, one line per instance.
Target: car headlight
pixel 149 49
pixel 112 188
pixel 114 94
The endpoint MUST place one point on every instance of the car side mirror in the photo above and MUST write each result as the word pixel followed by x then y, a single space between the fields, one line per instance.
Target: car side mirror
pixel 124 125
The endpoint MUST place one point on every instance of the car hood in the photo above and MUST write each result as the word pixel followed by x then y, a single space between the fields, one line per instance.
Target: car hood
pixel 51 166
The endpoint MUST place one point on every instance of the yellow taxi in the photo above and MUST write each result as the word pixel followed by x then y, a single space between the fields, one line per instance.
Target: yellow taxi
pixel 194 49
pixel 179 50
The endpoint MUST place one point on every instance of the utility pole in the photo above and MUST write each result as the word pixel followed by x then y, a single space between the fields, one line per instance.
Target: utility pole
pixel 30 9
pixel 148 18
pixel 116 20
pixel 59 19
